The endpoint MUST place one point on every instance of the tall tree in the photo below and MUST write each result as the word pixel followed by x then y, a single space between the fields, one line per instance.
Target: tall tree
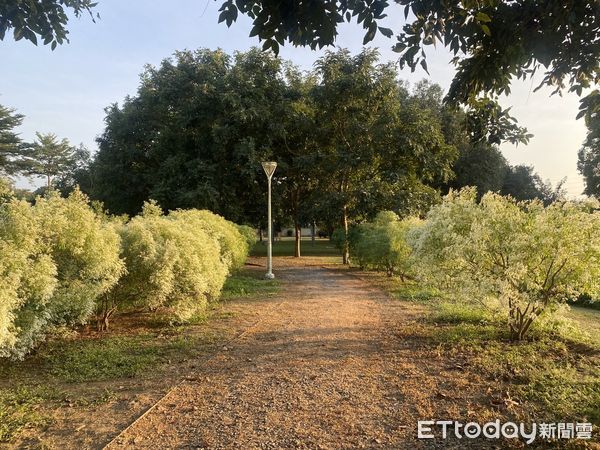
pixel 194 136
pixel 374 152
pixel 9 140
pixel 78 175
pixel 493 41
pixel 297 151
pixel 47 157
pixel 482 166
pixel 589 157
pixel 44 19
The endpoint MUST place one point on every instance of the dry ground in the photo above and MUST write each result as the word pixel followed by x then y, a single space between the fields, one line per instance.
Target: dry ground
pixel 333 364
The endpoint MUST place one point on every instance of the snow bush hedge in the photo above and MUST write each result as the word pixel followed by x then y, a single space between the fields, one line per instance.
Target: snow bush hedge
pixel 179 261
pixel 520 259
pixel 56 259
pixel 382 245
pixel 62 262
pixel 233 245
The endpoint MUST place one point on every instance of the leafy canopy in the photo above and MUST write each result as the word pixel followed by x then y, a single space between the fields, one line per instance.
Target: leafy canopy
pixel 44 19
pixel 9 140
pixel 493 41
pixel 589 157
pixel 47 157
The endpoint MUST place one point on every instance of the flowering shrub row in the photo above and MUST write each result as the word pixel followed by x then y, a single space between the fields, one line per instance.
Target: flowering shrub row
pixel 61 265
pixel 519 260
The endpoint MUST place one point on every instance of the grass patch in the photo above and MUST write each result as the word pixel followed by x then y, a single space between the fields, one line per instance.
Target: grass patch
pixel 321 247
pixel 112 357
pixel 588 320
pixel 20 408
pixel 242 285
pixel 557 383
pixel 413 292
pixel 554 376
pixel 446 312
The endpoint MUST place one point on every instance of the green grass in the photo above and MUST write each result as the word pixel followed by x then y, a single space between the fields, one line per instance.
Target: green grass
pixel 243 285
pixel 285 247
pixel 556 381
pixel 588 320
pixel 30 387
pixel 555 375
pixel 20 408
pixel 409 291
pixel 114 357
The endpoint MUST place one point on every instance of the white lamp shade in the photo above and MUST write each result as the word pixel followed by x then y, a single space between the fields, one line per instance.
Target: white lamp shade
pixel 269 167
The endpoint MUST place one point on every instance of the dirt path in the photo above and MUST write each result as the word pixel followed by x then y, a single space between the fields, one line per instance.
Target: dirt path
pixel 333 365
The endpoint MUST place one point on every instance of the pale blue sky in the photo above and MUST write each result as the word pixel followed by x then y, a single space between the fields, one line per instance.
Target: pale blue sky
pixel 66 91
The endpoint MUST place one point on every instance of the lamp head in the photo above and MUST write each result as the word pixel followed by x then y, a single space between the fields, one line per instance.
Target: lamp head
pixel 269 167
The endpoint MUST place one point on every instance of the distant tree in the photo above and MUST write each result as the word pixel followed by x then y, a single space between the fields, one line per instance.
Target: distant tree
pixel 47 157
pixel 44 19
pixel 9 140
pixel 522 183
pixel 78 174
pixel 494 41
pixel 374 152
pixel 483 166
pixel 589 157
pixel 194 136
pixel 297 153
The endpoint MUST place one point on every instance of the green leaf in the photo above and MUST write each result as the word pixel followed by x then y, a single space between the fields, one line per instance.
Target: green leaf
pixel 483 17
pixel 386 32
pixel 486 29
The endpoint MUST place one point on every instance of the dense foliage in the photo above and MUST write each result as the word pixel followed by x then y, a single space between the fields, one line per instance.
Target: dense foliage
pixel 193 137
pixel 57 260
pixel 350 139
pixel 169 263
pixel 493 41
pixel 382 244
pixel 46 157
pixel 63 262
pixel 519 259
pixel 9 139
pixel 589 157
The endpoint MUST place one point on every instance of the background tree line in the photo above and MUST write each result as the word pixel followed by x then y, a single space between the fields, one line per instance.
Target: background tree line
pixel 350 137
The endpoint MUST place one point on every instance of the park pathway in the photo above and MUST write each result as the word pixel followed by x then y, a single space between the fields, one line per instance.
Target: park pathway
pixel 329 365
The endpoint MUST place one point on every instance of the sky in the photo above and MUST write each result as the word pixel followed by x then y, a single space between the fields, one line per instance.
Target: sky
pixel 66 90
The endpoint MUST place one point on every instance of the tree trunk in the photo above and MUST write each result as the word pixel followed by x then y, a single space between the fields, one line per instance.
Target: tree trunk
pixel 346 248
pixel 260 234
pixel 298 229
pixel 312 232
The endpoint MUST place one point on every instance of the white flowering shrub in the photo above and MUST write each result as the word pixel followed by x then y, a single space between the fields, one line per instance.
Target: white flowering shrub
pixel 382 245
pixel 172 261
pixel 234 246
pixel 249 234
pixel 520 259
pixel 56 259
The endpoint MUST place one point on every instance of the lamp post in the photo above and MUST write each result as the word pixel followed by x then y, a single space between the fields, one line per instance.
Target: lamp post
pixel 269 168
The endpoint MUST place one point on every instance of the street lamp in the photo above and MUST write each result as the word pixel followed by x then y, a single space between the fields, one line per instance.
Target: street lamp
pixel 269 168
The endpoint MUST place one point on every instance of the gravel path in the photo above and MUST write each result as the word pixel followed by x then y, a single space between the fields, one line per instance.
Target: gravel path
pixel 330 365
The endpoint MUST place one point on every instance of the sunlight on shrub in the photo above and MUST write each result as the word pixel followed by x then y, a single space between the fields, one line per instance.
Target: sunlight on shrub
pixel 56 259
pixel 524 256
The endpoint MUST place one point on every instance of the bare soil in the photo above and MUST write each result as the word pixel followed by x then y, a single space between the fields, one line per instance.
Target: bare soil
pixel 332 362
